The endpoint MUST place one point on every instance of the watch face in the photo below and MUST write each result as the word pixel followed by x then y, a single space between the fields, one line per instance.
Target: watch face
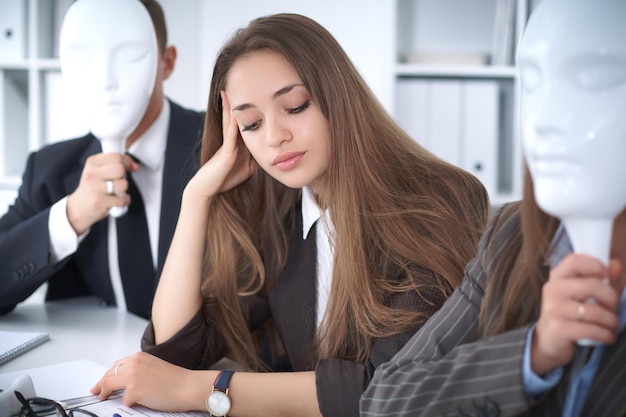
pixel 218 403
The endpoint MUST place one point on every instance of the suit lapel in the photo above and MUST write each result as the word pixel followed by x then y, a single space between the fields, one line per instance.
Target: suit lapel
pixel 607 394
pixel 181 162
pixel 293 300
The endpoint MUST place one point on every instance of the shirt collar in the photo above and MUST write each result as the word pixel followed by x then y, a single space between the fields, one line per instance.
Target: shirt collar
pixel 150 147
pixel 310 211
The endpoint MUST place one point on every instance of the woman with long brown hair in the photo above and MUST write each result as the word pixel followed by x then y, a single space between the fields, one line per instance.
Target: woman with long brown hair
pixel 317 237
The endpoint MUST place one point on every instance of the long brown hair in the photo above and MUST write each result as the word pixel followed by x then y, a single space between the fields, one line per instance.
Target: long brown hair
pixel 515 302
pixel 396 208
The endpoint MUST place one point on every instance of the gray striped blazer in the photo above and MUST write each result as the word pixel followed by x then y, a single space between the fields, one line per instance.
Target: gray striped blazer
pixel 447 370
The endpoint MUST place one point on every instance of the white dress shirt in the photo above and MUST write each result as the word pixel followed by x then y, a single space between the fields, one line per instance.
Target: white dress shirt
pixel 311 213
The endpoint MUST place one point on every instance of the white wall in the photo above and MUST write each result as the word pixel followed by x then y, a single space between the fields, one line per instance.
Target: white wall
pixel 183 23
pixel 198 28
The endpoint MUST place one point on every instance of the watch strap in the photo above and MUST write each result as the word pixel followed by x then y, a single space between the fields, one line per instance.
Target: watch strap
pixel 223 380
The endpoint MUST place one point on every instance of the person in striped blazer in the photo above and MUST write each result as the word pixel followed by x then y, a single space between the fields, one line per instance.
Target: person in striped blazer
pixel 508 341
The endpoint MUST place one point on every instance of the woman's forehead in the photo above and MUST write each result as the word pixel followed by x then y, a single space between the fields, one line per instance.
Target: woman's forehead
pixel 261 74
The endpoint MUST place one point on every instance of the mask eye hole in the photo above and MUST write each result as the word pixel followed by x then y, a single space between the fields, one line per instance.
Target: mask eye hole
pixel 530 76
pixel 597 72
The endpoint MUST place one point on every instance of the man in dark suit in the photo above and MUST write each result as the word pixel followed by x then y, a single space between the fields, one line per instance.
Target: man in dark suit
pixel 59 229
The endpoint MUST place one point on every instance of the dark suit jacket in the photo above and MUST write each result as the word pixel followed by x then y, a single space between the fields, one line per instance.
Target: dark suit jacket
pixel 291 304
pixel 446 370
pixel 53 173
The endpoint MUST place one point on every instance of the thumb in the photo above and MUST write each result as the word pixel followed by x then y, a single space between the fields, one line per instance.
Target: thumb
pixel 131 164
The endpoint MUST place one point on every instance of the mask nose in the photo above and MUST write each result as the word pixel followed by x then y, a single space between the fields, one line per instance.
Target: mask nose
pixel 104 73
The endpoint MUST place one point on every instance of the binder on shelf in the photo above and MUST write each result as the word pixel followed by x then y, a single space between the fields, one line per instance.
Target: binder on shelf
pixel 503 33
pixel 14 344
pixel 412 107
pixel 480 128
pixel 430 112
pixel 445 120
pixel 15 129
pixel 457 120
pixel 13 29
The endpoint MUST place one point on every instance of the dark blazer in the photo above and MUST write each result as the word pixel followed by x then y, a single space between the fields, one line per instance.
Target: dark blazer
pixel 291 304
pixel 53 173
pixel 446 370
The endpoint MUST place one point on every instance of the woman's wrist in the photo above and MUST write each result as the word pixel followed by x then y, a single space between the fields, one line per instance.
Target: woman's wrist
pixel 196 193
pixel 540 362
pixel 201 384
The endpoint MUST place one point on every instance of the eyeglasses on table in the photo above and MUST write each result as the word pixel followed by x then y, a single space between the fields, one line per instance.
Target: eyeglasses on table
pixel 40 407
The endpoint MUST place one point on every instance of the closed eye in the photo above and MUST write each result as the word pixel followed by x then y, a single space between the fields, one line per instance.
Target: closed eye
pixel 300 108
pixel 293 110
pixel 252 126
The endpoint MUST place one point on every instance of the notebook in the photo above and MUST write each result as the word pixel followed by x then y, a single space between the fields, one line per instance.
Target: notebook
pixel 13 344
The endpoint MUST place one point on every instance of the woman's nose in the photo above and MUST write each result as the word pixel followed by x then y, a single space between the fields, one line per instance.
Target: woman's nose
pixel 277 133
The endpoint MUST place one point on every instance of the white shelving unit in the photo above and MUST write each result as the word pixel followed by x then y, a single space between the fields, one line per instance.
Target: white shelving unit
pixel 198 29
pixel 29 68
pixel 450 97
pixel 33 113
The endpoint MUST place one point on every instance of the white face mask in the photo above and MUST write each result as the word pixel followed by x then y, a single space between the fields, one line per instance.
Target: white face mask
pixel 572 62
pixel 108 54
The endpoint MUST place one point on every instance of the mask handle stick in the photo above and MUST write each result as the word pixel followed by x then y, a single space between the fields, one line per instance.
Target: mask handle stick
pixel 591 237
pixel 114 145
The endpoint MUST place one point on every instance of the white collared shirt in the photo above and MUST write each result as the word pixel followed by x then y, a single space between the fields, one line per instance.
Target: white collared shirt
pixel 150 149
pixel 311 213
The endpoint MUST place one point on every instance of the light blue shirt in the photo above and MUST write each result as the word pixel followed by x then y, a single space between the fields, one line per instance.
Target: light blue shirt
pixel 535 385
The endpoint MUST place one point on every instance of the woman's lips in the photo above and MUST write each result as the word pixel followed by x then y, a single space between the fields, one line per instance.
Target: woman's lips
pixel 287 160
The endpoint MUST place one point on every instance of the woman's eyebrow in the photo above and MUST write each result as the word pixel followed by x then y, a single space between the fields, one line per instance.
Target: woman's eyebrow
pixel 286 89
pixel 243 106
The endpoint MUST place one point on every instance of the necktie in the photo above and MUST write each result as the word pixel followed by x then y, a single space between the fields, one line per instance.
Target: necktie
pixel 135 256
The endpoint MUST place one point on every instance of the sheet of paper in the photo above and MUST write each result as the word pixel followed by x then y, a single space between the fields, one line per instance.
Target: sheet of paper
pixel 60 381
pixel 111 407
pixel 70 380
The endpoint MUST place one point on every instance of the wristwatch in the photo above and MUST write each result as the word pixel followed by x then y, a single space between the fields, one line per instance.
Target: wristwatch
pixel 218 402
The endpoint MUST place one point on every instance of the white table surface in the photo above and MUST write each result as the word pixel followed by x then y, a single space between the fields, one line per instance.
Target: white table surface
pixel 79 328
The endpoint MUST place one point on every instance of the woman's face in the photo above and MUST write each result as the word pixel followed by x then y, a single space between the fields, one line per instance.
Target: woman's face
pixel 281 125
